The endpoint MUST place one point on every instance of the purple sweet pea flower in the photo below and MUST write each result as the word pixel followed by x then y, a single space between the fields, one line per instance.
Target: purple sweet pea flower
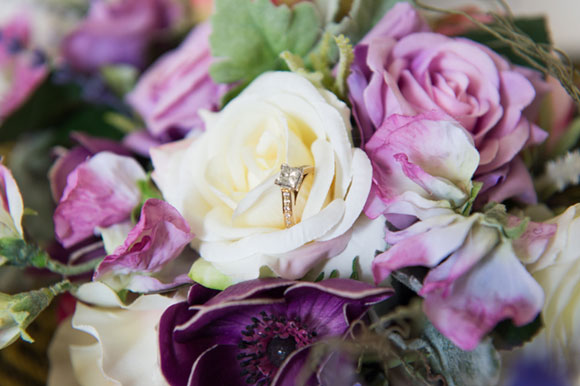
pixel 68 160
pixel 256 332
pixel 476 279
pixel 157 239
pixel 23 68
pixel 117 32
pixel 104 190
pixel 171 93
pixel 423 71
pixel 412 178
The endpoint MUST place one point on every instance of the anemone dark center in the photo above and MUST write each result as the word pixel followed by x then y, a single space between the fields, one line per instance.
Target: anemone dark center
pixel 278 349
pixel 267 342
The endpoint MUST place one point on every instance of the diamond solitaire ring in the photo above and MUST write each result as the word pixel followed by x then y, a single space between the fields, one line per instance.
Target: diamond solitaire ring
pixel 290 180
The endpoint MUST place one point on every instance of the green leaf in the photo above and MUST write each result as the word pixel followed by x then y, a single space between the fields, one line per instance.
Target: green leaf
pixel 319 277
pixel 477 367
pixel 355 268
pixel 536 28
pixel 249 36
pixel 334 274
pixel 507 336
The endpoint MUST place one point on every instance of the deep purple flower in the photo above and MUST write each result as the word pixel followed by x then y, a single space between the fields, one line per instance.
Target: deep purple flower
pixel 256 332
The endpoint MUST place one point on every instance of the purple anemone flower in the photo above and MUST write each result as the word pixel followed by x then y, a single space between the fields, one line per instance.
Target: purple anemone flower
pixel 257 332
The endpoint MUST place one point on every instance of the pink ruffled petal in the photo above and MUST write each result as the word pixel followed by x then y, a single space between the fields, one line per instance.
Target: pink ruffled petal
pixel 497 288
pixel 158 238
pixel 104 189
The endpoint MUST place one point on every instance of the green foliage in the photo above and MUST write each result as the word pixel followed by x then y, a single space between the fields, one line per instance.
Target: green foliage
pixel 18 311
pixel 18 253
pixel 249 37
pixel 355 268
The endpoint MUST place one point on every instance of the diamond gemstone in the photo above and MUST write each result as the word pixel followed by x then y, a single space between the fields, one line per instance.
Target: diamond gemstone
pixel 290 177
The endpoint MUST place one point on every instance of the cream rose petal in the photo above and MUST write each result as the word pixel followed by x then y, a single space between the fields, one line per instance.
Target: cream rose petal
pixel 223 182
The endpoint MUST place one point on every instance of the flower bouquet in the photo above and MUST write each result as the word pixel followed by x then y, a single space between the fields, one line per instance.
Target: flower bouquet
pixel 286 192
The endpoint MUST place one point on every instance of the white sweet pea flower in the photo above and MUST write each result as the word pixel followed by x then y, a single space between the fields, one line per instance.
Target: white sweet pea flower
pixel 11 206
pixel 109 343
pixel 222 182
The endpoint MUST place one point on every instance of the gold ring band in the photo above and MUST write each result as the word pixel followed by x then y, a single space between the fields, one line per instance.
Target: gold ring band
pixel 290 180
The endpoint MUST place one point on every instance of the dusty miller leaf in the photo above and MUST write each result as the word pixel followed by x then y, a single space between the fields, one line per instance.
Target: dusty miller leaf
pixel 249 36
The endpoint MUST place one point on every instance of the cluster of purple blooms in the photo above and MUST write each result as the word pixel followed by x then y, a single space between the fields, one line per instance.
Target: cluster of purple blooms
pixel 442 122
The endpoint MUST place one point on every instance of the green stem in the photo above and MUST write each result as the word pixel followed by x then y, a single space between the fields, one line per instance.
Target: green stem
pixel 61 287
pixel 71 270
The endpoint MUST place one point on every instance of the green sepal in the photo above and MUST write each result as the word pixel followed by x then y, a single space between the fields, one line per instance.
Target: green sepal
pixel 18 311
pixel 355 268
pixel 204 273
pixel 475 189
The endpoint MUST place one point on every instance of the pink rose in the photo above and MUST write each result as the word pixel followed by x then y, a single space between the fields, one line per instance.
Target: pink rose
pixel 117 32
pixel 423 71
pixel 171 93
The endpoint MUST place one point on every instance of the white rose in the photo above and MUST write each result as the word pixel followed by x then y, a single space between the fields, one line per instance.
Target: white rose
pixel 222 182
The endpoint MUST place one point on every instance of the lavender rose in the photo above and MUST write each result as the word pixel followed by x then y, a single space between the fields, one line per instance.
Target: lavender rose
pixel 171 93
pixel 256 332
pixel 117 32
pixel 409 72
